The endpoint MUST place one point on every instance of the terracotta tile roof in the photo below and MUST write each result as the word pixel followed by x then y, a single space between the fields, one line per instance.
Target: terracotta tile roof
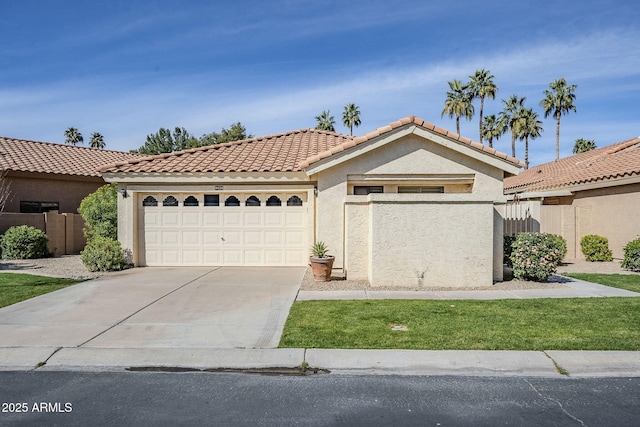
pixel 45 157
pixel 613 161
pixel 273 153
pixel 286 152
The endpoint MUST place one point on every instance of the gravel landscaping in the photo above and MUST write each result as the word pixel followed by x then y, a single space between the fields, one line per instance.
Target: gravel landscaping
pixel 338 282
pixel 68 266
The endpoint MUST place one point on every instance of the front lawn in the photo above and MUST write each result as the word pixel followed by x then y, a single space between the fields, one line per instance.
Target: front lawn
pixel 19 287
pixel 531 324
pixel 630 282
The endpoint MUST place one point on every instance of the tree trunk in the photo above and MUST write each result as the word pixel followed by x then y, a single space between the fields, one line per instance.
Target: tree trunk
pixel 526 153
pixel 513 143
pixel 558 135
pixel 480 126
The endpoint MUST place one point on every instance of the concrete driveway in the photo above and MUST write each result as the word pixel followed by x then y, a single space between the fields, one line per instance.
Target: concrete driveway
pixel 189 307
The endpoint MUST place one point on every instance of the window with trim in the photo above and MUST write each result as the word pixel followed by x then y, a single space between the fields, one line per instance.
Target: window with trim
pixel 274 201
pixel 252 201
pixel 212 200
pixel 170 201
pixel 149 201
pixel 421 189
pixel 363 190
pixel 38 207
pixel 232 201
pixel 294 201
pixel 190 201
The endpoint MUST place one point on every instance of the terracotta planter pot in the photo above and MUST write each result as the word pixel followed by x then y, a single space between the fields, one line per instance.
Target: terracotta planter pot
pixel 322 268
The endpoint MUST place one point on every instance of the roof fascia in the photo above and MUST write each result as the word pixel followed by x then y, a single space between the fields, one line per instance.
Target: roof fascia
pixel 201 178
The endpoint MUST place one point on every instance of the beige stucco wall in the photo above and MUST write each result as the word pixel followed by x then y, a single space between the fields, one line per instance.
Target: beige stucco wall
pixel 363 228
pixel 610 212
pixel 67 191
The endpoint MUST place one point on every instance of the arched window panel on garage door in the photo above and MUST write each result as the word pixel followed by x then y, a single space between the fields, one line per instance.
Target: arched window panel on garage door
pixel 294 201
pixel 149 201
pixel 274 201
pixel 252 201
pixel 191 201
pixel 170 201
pixel 232 201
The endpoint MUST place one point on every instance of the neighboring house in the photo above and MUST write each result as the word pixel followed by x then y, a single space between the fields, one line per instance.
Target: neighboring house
pixel 51 177
pixel 597 192
pixel 408 204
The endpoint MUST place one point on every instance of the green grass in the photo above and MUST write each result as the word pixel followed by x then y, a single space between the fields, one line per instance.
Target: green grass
pixel 630 282
pixel 532 324
pixel 19 287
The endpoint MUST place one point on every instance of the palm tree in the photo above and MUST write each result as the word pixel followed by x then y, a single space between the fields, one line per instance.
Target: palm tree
pixel 458 103
pixel 325 121
pixel 492 128
pixel 583 145
pixel 558 101
pixel 481 86
pixel 528 127
pixel 97 141
pixel 73 136
pixel 511 116
pixel 351 117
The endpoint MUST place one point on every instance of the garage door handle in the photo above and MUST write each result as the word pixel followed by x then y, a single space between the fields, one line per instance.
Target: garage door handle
pixel 222 238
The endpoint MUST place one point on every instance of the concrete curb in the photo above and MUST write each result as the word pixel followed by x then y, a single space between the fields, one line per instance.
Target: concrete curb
pixel 578 364
pixel 198 358
pixel 433 362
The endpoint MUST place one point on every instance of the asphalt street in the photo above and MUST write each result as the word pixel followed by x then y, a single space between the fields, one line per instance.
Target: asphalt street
pixel 222 399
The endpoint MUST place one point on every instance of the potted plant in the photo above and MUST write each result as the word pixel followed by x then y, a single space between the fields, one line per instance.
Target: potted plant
pixel 321 263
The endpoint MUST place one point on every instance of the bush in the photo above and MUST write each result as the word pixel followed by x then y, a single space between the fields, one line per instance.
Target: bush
pixel 631 259
pixel 536 255
pixel 507 250
pixel 103 254
pixel 596 248
pixel 24 242
pixel 100 212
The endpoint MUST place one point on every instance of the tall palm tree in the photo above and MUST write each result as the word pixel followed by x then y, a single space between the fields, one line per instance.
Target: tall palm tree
pixel 558 101
pixel 492 128
pixel 325 121
pixel 351 117
pixel 511 116
pixel 583 145
pixel 528 127
pixel 73 136
pixel 458 103
pixel 97 141
pixel 481 86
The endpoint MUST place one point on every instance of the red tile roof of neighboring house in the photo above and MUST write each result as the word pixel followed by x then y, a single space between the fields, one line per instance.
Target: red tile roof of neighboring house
pixel 285 152
pixel 45 157
pixel 613 161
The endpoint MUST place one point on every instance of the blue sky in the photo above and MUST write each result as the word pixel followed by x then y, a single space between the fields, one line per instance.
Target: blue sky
pixel 127 68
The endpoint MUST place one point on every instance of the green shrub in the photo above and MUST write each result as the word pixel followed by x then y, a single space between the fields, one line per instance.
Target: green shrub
pixel 536 256
pixel 596 248
pixel 100 212
pixel 103 254
pixel 24 242
pixel 631 259
pixel 508 249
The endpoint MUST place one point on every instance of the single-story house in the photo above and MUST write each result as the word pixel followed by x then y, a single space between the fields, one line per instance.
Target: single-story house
pixel 407 204
pixel 596 192
pixel 43 177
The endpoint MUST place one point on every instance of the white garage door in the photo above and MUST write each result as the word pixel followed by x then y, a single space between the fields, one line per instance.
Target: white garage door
pixel 177 229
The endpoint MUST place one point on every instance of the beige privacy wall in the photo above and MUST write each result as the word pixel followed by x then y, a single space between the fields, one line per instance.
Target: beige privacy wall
pixel 420 240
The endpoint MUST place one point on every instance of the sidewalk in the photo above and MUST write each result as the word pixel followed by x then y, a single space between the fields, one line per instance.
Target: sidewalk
pixel 574 289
